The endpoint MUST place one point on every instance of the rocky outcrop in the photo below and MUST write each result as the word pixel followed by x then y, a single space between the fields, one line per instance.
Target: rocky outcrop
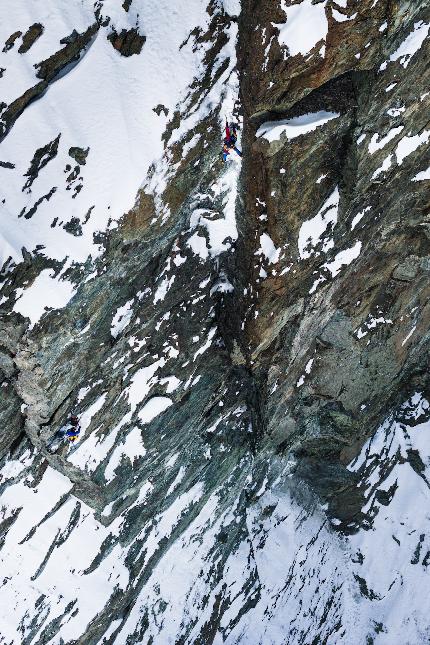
pixel 29 38
pixel 10 42
pixel 128 43
pixel 74 45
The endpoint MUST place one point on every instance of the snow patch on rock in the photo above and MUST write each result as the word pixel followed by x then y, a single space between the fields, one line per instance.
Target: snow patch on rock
pixel 306 25
pixel 46 291
pixel 295 127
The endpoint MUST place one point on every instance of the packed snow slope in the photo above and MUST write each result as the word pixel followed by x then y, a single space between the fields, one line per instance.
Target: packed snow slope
pixel 246 344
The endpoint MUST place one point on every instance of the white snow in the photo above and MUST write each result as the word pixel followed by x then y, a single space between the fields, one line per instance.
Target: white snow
pixel 396 111
pixel 386 164
pixel 178 572
pixel 171 461
pixel 372 322
pixel 221 231
pixel 110 630
pixel 197 244
pixel 409 144
pixel 163 288
pixel 312 231
pixel 206 344
pixel 231 7
pixel 409 46
pixel 153 408
pixel 95 448
pixel 306 25
pixel 131 448
pixel 284 557
pixel 359 217
pixel 343 258
pixel 86 417
pixel 46 291
pixel 21 559
pixel 295 127
pixel 171 382
pixel 268 249
pixel 222 285
pixel 179 477
pixel 14 467
pixel 142 382
pixel 390 87
pixel 308 368
pixel 341 17
pixel 121 318
pixel 409 335
pixel 376 143
pixel 422 176
pixel 398 580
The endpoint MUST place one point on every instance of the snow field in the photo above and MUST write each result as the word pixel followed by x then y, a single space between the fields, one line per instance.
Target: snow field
pixel 105 103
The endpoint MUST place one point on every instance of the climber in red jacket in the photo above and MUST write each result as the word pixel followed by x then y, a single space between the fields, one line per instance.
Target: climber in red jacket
pixel 230 141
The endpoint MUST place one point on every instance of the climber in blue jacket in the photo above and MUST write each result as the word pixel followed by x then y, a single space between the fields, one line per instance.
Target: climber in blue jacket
pixel 74 429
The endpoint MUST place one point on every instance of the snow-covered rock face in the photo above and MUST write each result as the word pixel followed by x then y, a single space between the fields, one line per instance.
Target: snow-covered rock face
pixel 246 345
pixel 87 142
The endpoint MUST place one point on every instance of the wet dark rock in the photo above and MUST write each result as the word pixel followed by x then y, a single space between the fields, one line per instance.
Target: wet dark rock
pixel 28 214
pixel 31 35
pixel 127 42
pixel 12 111
pixel 73 176
pixel 407 270
pixel 41 158
pixel 160 108
pixel 75 45
pixel 74 227
pixel 10 42
pixel 79 154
